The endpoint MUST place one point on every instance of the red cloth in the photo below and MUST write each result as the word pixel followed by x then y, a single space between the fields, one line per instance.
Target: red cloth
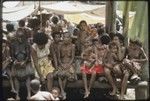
pixel 97 68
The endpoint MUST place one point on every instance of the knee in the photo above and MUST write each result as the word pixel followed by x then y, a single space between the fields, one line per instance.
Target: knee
pixel 94 73
pixel 126 74
pixel 50 76
pixel 83 75
pixel 107 71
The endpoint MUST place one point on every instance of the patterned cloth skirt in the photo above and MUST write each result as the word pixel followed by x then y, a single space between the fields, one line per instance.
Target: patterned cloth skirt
pixel 45 66
pixel 23 71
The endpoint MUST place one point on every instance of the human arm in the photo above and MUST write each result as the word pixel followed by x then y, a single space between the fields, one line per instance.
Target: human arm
pixel 106 60
pixel 35 61
pixel 53 56
pixel 142 57
pixel 72 55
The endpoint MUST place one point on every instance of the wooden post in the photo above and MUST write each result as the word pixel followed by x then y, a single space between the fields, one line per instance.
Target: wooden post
pixel 40 14
pixel 22 3
pixel 110 17
pixel 126 21
pixel 142 91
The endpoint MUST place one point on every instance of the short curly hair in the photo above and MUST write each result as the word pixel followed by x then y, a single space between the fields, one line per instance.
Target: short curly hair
pixel 55 19
pixel 21 23
pixel 105 38
pixel 10 27
pixel 40 38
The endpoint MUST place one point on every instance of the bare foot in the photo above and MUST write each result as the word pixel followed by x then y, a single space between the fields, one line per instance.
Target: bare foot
pixel 86 94
pixel 17 97
pixel 121 98
pixel 63 95
pixel 113 92
pixel 28 97
pixel 13 91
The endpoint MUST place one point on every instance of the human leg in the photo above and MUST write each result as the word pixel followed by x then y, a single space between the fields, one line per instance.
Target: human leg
pixel 49 81
pixel 124 84
pixel 111 81
pixel 84 78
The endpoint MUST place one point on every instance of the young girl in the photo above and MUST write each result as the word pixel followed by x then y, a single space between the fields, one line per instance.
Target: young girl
pixel 90 66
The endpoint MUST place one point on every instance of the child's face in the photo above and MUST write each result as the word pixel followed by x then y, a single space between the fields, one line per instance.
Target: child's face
pixel 55 93
pixel 114 49
pixel 116 39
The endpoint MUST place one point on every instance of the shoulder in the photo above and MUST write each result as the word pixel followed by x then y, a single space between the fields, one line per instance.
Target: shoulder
pixel 34 46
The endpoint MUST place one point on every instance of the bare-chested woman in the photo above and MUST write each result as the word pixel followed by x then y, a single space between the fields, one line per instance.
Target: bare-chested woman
pixel 66 53
pixel 136 57
pixel 20 54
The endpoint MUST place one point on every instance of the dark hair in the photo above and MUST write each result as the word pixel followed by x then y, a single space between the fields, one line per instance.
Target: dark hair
pixel 10 27
pixel 76 31
pixel 56 33
pixel 120 36
pixel 35 85
pixel 55 19
pixel 21 23
pixel 100 31
pixel 136 42
pixel 56 88
pixel 105 39
pixel 40 38
pixel 33 23
pixel 82 21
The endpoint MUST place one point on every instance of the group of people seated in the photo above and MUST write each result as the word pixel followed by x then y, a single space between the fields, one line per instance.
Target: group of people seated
pixel 39 55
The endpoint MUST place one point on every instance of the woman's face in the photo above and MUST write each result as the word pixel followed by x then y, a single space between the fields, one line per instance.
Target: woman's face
pixel 41 46
pixel 83 26
pixel 57 38
pixel 67 38
pixel 133 46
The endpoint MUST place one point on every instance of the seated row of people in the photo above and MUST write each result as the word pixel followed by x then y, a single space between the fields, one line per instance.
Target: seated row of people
pixel 46 58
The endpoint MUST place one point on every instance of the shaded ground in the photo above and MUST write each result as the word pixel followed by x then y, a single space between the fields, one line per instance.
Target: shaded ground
pixel 73 94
